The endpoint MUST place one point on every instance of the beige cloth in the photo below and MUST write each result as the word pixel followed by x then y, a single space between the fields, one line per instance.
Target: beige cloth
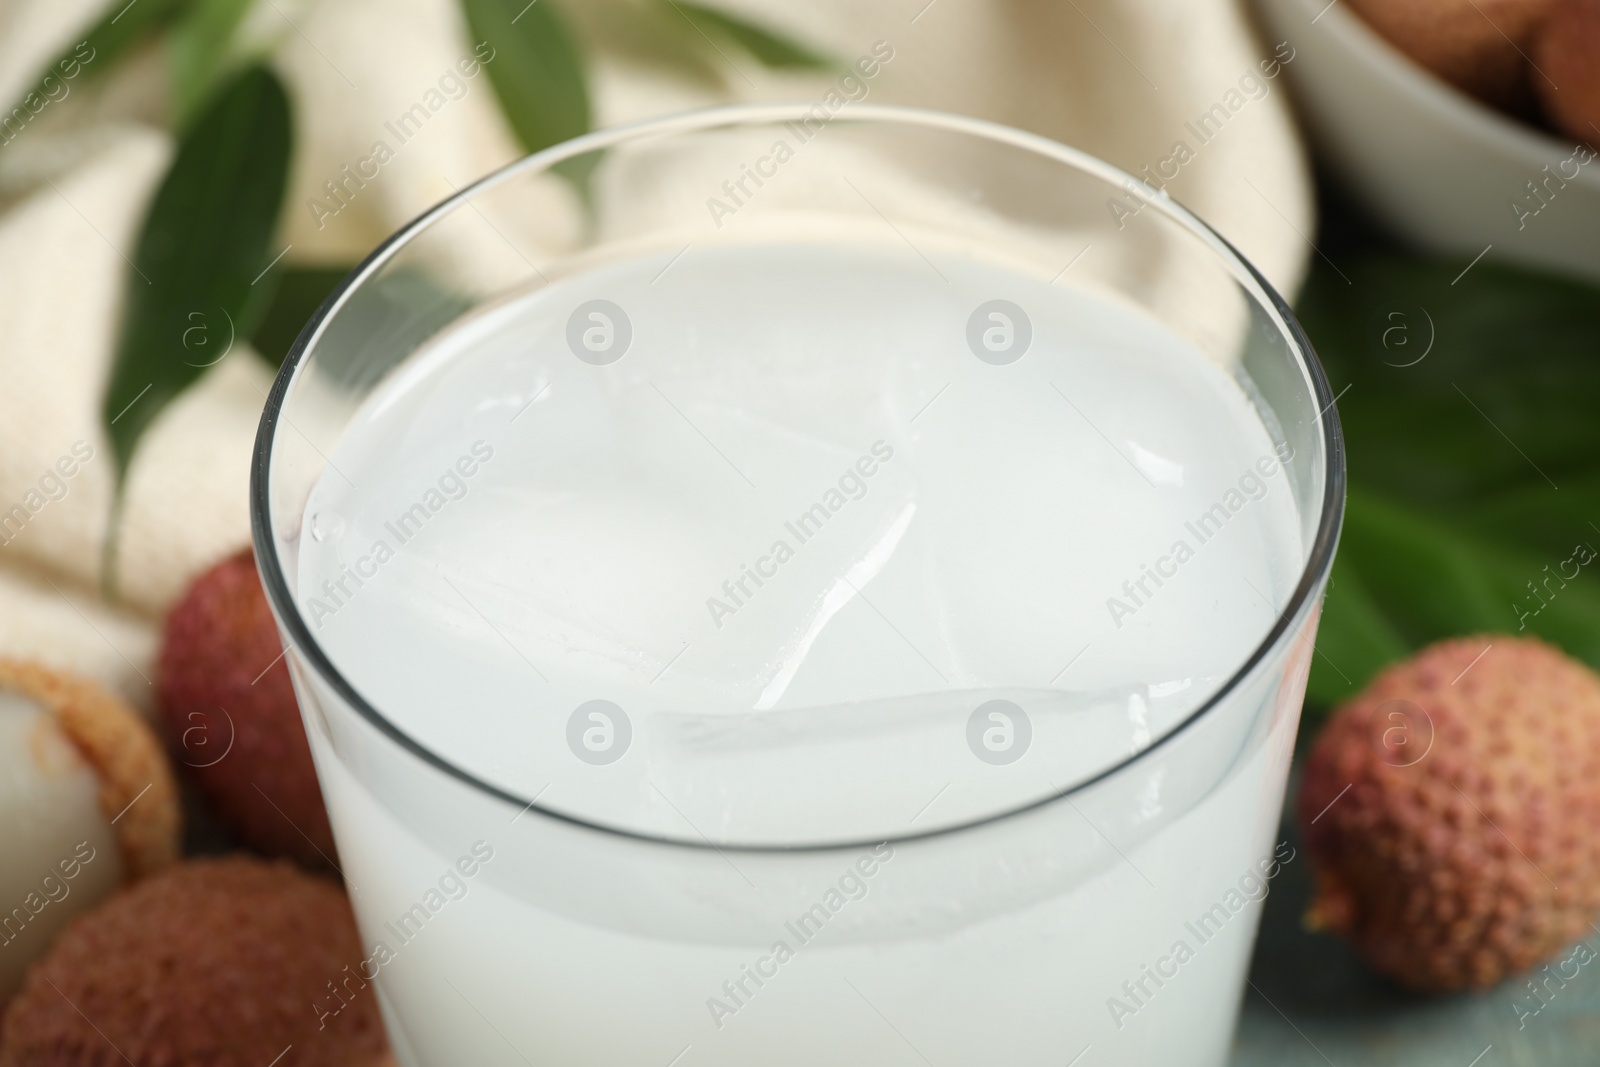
pixel 1119 78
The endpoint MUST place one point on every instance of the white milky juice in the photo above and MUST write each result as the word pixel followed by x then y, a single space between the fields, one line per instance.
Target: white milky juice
pixel 785 565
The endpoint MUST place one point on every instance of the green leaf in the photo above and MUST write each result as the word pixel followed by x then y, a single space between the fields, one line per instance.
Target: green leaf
pixel 199 51
pixel 1503 394
pixel 535 68
pixel 771 49
pixel 123 25
pixel 385 320
pixel 200 265
pixel 300 291
pixel 656 39
pixel 1455 522
pixel 1354 638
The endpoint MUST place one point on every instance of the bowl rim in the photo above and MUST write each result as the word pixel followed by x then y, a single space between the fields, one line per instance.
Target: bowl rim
pixel 1319 554
pixel 1532 146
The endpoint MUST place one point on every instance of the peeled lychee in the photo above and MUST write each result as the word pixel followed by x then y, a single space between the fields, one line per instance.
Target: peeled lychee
pixel 233 962
pixel 1479 46
pixel 1566 55
pixel 87 802
pixel 1452 812
pixel 232 718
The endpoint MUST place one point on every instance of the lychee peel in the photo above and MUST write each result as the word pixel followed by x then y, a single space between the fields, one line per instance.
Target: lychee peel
pixel 1475 853
pixel 232 718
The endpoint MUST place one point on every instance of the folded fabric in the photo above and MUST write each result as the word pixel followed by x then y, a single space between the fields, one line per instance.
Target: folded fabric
pixel 1183 94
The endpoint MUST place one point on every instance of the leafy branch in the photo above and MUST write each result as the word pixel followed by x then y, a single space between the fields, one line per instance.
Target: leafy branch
pixel 204 275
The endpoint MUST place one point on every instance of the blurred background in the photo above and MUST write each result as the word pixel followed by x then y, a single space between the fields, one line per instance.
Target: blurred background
pixel 182 182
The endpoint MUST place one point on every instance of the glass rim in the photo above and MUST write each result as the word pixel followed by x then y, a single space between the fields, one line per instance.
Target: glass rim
pixel 1318 561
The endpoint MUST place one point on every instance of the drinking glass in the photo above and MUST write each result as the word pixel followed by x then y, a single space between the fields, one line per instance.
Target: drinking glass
pixel 1104 917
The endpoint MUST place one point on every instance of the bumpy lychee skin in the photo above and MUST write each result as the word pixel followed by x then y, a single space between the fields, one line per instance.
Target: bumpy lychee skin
pixel 1479 46
pixel 1567 51
pixel 212 963
pixel 232 719
pixel 1452 812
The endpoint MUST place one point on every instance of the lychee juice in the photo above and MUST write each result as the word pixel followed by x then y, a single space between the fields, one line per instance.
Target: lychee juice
pixel 774 629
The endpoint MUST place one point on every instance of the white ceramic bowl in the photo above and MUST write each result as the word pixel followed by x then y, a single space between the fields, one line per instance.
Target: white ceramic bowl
pixel 1444 171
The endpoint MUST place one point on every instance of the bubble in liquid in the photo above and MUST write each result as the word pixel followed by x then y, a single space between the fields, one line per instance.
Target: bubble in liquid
pixel 326 526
